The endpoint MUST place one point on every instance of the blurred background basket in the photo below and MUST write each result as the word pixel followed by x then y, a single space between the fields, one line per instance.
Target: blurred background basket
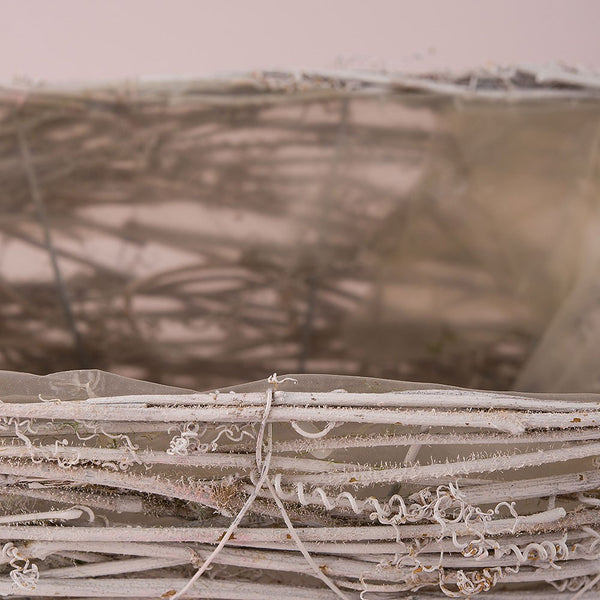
pixel 204 233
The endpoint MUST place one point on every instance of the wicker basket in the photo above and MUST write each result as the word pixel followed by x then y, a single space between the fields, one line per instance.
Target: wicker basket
pixel 119 488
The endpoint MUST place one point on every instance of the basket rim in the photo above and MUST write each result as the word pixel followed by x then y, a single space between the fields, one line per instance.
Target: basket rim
pixel 519 83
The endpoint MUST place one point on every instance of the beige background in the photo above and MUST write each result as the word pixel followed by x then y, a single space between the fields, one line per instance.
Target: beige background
pixel 93 40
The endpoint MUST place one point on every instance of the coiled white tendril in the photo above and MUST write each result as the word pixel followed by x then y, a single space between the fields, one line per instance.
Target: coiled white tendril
pixel 234 433
pixel 24 574
pixel 20 426
pixel 187 439
pixel 190 436
pixel 471 583
pixel 444 506
pixel 545 553
pixel 572 584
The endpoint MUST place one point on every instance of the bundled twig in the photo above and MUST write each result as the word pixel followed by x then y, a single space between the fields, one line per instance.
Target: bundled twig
pixel 277 489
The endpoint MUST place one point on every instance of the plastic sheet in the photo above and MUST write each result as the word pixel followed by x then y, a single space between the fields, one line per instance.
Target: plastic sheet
pixel 74 385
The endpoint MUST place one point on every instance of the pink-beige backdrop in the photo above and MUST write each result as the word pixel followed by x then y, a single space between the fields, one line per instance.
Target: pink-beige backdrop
pixel 91 40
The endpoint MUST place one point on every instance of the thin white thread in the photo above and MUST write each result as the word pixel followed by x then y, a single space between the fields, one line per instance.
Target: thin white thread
pixel 263 466
pixel 318 572
pixel 261 431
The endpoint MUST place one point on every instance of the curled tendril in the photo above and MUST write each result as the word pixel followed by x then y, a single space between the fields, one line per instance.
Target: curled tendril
pixel 121 436
pixel 317 435
pixel 24 574
pixel 273 379
pixel 471 583
pixel 190 437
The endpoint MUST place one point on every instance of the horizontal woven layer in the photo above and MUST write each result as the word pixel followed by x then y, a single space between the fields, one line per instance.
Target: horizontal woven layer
pixel 300 486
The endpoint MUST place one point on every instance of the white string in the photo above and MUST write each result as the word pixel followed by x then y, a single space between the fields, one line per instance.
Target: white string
pixel 318 572
pixel 261 431
pixel 263 465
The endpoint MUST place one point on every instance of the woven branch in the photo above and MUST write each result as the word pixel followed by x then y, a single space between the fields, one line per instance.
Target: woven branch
pixel 264 502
